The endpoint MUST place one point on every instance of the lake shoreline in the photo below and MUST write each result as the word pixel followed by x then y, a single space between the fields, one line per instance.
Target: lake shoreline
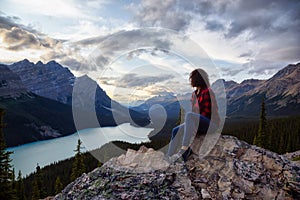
pixel 26 157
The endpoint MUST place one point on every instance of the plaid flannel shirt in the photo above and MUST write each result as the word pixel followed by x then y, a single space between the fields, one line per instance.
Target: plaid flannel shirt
pixel 202 103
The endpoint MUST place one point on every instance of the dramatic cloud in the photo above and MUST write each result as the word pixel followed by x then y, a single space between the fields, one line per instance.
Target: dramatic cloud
pixel 7 22
pixel 110 47
pixel 132 80
pixel 269 28
pixel 231 17
pixel 17 37
pixel 161 14
pixel 248 37
pixel 263 67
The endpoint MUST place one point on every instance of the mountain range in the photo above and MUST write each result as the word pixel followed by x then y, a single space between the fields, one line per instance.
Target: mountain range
pixel 281 93
pixel 38 100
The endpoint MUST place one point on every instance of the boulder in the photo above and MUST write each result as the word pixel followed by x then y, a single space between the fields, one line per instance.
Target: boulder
pixel 233 169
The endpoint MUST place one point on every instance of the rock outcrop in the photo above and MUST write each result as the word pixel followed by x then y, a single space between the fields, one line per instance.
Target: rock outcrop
pixel 232 170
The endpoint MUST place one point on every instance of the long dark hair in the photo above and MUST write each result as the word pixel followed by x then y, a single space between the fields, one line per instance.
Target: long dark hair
pixel 199 78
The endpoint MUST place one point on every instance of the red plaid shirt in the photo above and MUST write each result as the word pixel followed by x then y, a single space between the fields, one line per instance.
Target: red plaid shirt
pixel 204 103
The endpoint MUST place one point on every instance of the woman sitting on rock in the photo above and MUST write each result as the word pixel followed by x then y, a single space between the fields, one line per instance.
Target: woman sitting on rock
pixel 199 120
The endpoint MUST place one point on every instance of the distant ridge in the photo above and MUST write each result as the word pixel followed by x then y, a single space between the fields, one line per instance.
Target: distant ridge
pixel 281 93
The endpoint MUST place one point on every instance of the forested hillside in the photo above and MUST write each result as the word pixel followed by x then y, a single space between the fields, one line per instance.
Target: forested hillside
pixel 283 134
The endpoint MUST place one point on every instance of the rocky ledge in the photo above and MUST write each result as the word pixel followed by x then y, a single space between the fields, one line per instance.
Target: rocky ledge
pixel 232 170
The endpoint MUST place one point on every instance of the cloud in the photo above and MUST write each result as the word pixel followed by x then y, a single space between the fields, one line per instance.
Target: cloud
pixel 161 13
pixel 133 80
pixel 17 37
pixel 232 71
pixel 264 23
pixel 246 54
pixel 72 63
pixel 159 90
pixel 259 34
pixel 263 67
pixel 214 25
pixel 7 22
pixel 53 8
pixel 111 46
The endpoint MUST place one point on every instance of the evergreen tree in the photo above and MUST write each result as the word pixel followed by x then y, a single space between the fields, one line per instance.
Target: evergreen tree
pixel 6 173
pixel 255 142
pixel 78 165
pixel 181 117
pixel 14 184
pixel 36 194
pixel 261 138
pixel 20 187
pixel 58 185
pixel 281 147
pixel 38 191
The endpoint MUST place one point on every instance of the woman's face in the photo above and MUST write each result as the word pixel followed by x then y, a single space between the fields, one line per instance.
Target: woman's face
pixel 192 81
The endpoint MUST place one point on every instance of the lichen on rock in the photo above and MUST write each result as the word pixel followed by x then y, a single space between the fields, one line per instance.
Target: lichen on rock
pixel 232 170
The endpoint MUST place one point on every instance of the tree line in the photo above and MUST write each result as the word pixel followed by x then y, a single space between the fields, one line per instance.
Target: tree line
pixel 280 135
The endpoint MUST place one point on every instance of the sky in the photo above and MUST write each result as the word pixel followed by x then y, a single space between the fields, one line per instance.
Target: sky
pixel 144 48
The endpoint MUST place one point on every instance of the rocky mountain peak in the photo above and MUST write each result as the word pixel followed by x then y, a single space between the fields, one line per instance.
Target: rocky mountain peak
pixel 286 82
pixel 23 63
pixel 232 170
pixel 287 70
pixel 10 84
pixel 229 84
pixel 49 80
pixel 39 63
pixel 251 81
pixel 54 65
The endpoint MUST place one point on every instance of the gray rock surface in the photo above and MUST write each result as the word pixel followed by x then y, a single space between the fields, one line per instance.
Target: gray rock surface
pixel 232 170
pixel 50 80
pixel 11 85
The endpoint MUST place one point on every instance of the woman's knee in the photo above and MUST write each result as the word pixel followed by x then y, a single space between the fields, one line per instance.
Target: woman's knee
pixel 189 115
pixel 174 131
pixel 177 129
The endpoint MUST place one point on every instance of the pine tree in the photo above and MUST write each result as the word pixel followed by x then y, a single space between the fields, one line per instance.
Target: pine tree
pixel 36 194
pixel 14 184
pixel 38 191
pixel 281 147
pixel 58 185
pixel 181 116
pixel 20 187
pixel 255 142
pixel 78 165
pixel 261 138
pixel 6 173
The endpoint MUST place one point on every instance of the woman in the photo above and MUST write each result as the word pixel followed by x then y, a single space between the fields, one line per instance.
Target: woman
pixel 197 121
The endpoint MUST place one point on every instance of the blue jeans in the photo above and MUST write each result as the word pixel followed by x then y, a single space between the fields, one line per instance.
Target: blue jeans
pixel 194 123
